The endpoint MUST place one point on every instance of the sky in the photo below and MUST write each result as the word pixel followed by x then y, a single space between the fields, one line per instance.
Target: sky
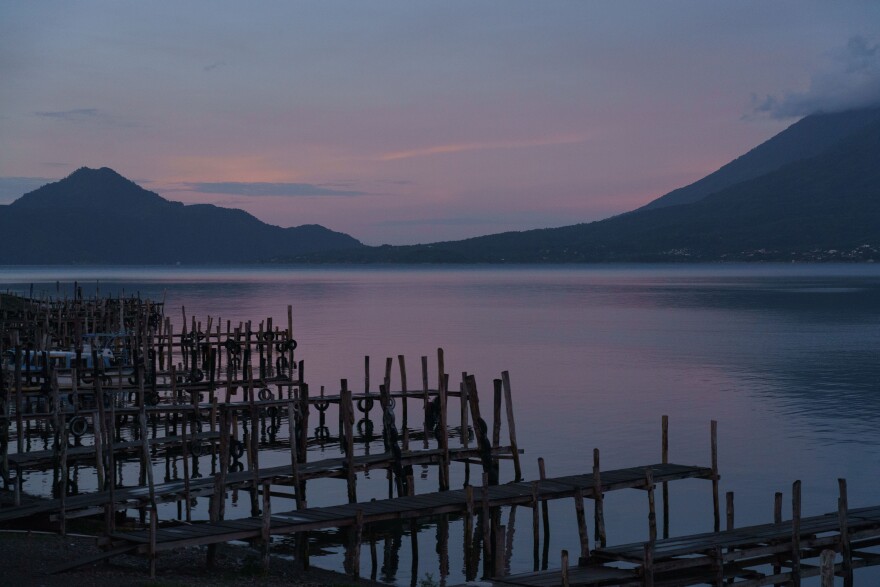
pixel 404 122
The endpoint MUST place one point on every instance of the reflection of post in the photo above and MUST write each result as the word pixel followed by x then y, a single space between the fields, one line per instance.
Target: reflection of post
pixel 777 519
pixel 508 549
pixel 443 547
pixel 414 548
pixel 468 528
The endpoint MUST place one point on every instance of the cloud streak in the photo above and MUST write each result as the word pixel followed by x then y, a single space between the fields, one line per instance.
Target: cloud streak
pixel 849 79
pixel 479 146
pixel 260 188
pixel 76 115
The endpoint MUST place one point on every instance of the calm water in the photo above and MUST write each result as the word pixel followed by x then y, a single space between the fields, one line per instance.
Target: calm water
pixel 784 357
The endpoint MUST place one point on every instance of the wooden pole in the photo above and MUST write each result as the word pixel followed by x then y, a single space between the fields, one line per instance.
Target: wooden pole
pixel 405 399
pixel 826 567
pixel 347 410
pixel 294 454
pixel 545 515
pixel 652 515
pixel 536 538
pixel 729 499
pixel 796 534
pixel 665 460
pixel 777 519
pixel 716 507
pixel 511 425
pixel 583 535
pixel 564 564
pixel 845 548
pixel 598 501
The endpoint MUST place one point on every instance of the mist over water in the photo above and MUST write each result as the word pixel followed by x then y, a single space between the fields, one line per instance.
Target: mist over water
pixel 785 358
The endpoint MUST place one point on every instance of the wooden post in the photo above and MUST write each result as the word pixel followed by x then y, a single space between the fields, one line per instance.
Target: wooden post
pixel 716 507
pixel 346 409
pixel 564 565
pixel 777 519
pixel 826 567
pixel 425 399
pixel 648 567
pixel 483 442
pixel 583 535
pixel 598 501
pixel 729 497
pixel 665 460
pixel 511 425
pixel 535 532
pixel 487 528
pixel 496 414
pixel 845 549
pixel 545 514
pixel 796 534
pixel 444 424
pixel 294 454
pixel 652 515
pixel 305 411
pixel 405 399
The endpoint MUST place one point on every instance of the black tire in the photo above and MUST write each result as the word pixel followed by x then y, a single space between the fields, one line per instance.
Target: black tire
pixel 78 426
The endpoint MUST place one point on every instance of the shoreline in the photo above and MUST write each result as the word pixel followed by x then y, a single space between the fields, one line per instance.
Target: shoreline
pixel 30 556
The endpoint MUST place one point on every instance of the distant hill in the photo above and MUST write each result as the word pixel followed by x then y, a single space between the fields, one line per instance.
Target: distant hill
pixel 97 216
pixel 824 205
pixel 806 138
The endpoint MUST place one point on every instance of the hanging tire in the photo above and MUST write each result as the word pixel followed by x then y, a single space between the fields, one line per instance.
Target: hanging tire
pixel 236 449
pixel 272 411
pixel 365 404
pixel 78 426
pixel 266 394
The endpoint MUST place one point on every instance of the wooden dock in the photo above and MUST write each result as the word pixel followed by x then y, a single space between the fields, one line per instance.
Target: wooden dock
pixel 462 501
pixel 751 556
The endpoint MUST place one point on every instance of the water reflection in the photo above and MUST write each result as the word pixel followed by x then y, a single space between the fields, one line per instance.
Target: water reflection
pixel 785 358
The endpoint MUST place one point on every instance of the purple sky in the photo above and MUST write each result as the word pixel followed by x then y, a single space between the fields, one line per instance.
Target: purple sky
pixel 404 122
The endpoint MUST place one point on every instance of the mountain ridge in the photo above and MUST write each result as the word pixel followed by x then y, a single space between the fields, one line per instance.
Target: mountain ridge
pixel 98 216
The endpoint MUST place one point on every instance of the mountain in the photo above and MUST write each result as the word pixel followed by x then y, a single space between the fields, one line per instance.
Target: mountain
pixel 823 206
pixel 806 138
pixel 98 216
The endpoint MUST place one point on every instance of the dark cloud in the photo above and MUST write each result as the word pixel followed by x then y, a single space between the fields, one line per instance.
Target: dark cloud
pixel 266 189
pixel 849 79
pixel 11 188
pixel 75 115
pixel 213 66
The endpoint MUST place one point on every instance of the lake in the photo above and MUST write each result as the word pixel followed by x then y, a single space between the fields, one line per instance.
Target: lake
pixel 784 357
